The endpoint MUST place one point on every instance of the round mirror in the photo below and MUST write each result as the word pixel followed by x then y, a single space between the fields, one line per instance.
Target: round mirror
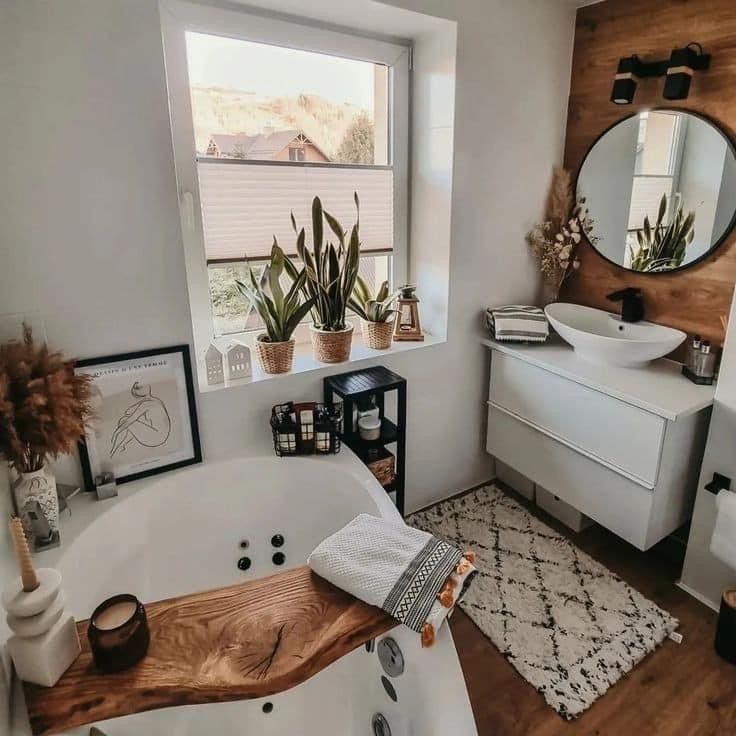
pixel 661 190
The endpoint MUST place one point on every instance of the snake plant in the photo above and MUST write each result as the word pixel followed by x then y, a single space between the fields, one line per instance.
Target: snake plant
pixel 331 270
pixel 368 307
pixel 663 247
pixel 281 313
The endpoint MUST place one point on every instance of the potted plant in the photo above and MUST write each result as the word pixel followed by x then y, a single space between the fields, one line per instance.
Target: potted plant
pixel 44 409
pixel 375 313
pixel 331 275
pixel 281 313
pixel 663 247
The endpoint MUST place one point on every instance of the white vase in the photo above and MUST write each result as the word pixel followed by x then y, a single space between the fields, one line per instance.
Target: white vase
pixel 38 486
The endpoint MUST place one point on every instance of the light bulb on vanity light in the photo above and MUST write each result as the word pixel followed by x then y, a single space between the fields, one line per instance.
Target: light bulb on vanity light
pixel 624 83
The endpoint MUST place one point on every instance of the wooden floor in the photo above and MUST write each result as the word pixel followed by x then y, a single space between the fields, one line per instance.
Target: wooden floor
pixel 679 690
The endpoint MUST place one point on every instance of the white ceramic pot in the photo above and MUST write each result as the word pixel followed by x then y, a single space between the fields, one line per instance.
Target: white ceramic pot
pixel 37 486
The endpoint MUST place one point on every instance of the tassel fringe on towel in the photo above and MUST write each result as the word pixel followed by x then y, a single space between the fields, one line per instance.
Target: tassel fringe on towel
pixel 413 576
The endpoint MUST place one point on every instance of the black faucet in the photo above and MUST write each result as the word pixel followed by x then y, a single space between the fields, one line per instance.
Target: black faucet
pixel 632 307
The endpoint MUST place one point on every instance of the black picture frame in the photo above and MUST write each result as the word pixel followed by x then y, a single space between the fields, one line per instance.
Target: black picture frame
pixel 196 457
pixel 732 222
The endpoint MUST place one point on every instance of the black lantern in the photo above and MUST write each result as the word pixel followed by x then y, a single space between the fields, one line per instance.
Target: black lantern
pixel 683 62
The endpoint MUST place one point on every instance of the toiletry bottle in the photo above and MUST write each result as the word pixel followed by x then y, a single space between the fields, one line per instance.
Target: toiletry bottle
pixel 705 361
pixel 692 352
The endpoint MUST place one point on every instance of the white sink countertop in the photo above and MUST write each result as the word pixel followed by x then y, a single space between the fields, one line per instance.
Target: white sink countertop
pixel 658 387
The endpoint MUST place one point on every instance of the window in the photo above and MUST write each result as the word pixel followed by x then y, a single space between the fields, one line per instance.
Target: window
pixel 656 169
pixel 266 114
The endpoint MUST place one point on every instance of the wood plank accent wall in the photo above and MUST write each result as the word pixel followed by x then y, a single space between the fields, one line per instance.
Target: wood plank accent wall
pixel 691 300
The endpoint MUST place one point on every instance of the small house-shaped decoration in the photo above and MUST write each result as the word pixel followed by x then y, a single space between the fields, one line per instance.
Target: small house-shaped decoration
pixel 215 365
pixel 238 361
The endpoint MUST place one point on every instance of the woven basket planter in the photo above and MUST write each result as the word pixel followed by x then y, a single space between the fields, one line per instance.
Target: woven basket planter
pixel 275 357
pixel 331 347
pixel 377 335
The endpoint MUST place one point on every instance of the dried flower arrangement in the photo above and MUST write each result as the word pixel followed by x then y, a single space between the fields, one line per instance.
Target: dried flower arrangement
pixel 44 406
pixel 554 242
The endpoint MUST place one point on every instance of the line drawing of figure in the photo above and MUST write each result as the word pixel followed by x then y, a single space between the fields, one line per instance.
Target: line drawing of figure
pixel 146 421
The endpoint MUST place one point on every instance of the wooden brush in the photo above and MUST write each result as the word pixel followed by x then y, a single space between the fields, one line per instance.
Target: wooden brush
pixel 27 572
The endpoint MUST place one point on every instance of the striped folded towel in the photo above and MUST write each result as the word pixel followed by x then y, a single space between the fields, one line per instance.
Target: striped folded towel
pixel 413 576
pixel 517 323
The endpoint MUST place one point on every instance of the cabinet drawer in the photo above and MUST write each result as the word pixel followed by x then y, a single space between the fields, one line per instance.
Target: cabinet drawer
pixel 622 436
pixel 617 503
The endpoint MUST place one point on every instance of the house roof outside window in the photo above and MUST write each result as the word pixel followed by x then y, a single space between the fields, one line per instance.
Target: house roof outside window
pixel 259 147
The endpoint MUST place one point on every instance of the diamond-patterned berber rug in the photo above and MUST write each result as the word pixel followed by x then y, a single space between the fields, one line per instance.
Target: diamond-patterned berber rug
pixel 569 626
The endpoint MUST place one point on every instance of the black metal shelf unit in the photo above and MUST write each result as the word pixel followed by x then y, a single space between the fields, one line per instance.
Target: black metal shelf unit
pixel 354 388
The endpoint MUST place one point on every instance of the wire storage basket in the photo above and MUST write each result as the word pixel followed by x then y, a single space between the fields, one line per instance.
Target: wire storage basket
pixel 306 428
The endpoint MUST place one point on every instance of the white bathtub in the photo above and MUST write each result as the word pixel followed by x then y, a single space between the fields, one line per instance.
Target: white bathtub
pixel 183 533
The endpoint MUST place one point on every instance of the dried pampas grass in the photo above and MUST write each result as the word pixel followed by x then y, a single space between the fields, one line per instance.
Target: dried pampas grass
pixel 44 406
pixel 559 200
pixel 554 241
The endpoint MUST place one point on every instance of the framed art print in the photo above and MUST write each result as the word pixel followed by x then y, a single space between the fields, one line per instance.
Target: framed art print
pixel 145 418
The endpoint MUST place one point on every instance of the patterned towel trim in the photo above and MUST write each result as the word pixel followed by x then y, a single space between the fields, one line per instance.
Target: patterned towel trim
pixel 525 309
pixel 527 316
pixel 526 334
pixel 413 594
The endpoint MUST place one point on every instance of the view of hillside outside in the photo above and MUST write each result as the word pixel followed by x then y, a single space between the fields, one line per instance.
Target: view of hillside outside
pixel 257 103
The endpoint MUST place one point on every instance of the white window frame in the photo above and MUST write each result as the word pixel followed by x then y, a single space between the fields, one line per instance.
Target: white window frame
pixel 180 16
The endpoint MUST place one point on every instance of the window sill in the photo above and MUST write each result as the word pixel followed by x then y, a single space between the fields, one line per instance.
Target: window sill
pixel 304 361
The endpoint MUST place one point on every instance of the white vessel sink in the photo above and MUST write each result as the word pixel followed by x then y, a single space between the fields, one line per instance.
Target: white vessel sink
pixel 602 337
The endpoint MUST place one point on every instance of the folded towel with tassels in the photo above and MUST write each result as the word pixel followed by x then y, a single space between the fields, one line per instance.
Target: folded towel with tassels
pixel 517 323
pixel 412 575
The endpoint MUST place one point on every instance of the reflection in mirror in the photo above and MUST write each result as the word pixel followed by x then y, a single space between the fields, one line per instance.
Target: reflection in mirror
pixel 661 189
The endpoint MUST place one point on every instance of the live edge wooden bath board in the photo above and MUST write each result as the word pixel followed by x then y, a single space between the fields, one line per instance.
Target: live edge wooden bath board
pixel 244 641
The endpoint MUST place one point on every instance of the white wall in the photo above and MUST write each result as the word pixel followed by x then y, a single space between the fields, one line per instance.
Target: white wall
pixel 703 574
pixel 89 225
pixel 606 182
pixel 701 174
pixel 727 195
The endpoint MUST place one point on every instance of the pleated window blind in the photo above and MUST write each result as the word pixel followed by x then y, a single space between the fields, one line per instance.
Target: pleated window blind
pixel 244 204
pixel 646 194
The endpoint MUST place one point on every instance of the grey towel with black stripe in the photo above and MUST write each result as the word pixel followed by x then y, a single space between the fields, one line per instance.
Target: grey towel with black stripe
pixel 517 323
pixel 395 567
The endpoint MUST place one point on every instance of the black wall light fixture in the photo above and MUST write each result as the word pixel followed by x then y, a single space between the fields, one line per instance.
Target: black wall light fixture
pixel 682 64
pixel 678 70
pixel 629 70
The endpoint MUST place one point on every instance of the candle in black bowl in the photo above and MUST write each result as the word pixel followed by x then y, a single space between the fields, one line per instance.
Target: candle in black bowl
pixel 118 633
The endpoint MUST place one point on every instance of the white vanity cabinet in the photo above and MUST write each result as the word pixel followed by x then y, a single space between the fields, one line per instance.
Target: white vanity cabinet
pixel 621 445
